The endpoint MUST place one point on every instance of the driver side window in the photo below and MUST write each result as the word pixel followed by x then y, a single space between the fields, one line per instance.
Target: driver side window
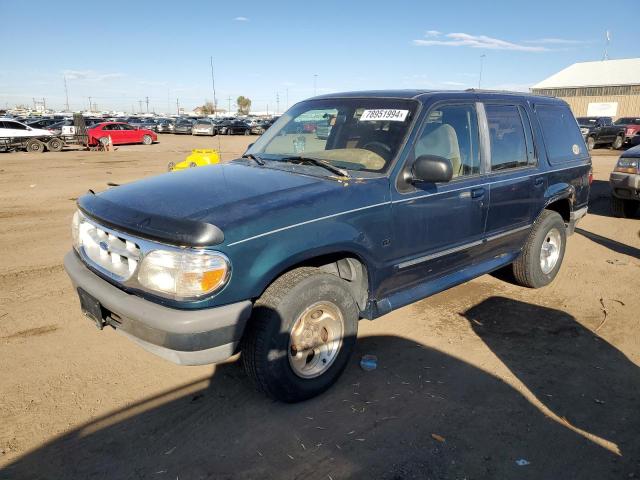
pixel 451 131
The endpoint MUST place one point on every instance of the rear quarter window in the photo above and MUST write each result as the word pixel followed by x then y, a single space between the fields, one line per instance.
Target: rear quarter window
pixel 561 133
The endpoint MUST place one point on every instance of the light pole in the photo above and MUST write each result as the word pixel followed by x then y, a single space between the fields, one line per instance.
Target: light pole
pixel 481 65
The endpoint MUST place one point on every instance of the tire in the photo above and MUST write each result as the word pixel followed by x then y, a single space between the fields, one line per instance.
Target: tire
pixel 528 268
pixel 229 131
pixel 591 143
pixel 34 146
pixel 55 145
pixel 247 132
pixel 104 141
pixel 623 208
pixel 147 140
pixel 617 144
pixel 268 354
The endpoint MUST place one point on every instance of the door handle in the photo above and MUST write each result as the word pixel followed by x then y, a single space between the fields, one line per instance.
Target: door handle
pixel 538 182
pixel 477 192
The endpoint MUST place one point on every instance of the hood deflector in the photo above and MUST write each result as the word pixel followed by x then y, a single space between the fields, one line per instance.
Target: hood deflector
pixel 174 231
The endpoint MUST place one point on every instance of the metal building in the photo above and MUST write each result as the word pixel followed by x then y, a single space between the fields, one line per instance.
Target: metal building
pixel 608 88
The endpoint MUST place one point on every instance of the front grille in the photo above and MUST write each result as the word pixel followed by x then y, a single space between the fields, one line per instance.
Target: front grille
pixel 108 250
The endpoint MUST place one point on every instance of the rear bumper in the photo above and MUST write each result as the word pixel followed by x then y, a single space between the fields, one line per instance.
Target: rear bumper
pixel 625 185
pixel 574 217
pixel 185 337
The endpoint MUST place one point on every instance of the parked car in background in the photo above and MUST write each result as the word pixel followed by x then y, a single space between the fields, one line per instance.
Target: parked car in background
pixel 280 254
pixel 165 125
pixel 234 127
pixel 183 126
pixel 601 131
pixel 144 123
pixel 17 135
pixel 120 133
pixel 204 126
pixel 625 184
pixel 42 122
pixel 631 129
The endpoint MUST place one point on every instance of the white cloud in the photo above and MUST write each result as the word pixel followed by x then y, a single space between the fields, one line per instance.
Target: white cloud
pixel 91 75
pixel 241 19
pixel 432 33
pixel 556 41
pixel 478 41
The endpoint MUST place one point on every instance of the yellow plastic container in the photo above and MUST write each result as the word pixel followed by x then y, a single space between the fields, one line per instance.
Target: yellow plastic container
pixel 198 158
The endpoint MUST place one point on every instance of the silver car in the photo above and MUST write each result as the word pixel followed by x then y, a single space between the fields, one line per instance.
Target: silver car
pixel 204 127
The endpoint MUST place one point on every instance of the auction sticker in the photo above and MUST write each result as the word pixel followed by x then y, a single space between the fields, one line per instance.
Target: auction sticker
pixel 386 114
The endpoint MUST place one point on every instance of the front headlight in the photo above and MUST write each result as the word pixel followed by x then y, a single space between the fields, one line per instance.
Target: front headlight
pixel 184 275
pixel 628 165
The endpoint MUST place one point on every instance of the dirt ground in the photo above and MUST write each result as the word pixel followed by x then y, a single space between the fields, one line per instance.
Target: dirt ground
pixel 487 380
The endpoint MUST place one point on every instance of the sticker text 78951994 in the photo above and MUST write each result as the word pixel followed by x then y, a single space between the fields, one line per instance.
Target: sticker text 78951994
pixel 384 114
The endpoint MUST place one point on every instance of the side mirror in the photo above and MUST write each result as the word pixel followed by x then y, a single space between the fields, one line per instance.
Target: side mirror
pixel 432 169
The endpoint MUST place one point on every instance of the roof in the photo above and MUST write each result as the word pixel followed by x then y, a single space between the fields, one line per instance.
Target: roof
pixel 595 74
pixel 426 94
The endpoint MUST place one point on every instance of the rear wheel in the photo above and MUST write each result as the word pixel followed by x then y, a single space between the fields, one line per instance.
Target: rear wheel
pixel 104 141
pixel 617 143
pixel 247 132
pixel 542 254
pixel 301 335
pixel 623 208
pixel 229 131
pixel 591 143
pixel 34 146
pixel 147 140
pixel 55 145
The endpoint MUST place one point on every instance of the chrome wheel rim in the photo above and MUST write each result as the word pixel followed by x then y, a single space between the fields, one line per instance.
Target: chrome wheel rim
pixel 550 251
pixel 315 339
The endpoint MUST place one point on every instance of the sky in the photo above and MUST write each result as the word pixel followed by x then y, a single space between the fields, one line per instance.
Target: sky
pixel 277 53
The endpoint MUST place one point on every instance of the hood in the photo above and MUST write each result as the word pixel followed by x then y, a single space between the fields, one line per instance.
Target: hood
pixel 244 200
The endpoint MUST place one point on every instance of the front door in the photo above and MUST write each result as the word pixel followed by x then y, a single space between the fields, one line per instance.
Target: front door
pixel 440 227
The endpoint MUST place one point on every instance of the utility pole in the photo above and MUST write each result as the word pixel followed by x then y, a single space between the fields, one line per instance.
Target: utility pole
pixel 229 100
pixel 147 104
pixel 606 45
pixel 315 84
pixel 178 105
pixel 89 103
pixel 267 109
pixel 66 94
pixel 140 106
pixel 44 105
pixel 277 102
pixel 481 65
pixel 213 86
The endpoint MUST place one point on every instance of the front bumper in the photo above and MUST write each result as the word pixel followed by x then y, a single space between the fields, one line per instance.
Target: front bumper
pixel 625 185
pixel 185 337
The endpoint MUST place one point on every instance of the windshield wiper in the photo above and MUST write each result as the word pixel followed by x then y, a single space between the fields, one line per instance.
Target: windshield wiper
pixel 253 157
pixel 318 162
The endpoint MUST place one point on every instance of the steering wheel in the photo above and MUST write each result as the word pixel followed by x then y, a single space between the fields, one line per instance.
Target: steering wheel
pixel 379 148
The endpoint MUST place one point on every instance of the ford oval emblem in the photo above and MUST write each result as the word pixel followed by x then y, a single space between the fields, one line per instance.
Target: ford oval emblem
pixel 104 246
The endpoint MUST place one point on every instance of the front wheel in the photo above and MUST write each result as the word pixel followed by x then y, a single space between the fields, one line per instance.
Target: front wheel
pixel 55 145
pixel 591 143
pixel 34 146
pixel 247 132
pixel 542 254
pixel 301 335
pixel 147 140
pixel 229 131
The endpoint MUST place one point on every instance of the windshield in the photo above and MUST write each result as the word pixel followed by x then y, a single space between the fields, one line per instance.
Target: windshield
pixel 627 121
pixel 587 121
pixel 350 133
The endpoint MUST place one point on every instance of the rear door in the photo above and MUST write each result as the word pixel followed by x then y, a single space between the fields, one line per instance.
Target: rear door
pixel 515 182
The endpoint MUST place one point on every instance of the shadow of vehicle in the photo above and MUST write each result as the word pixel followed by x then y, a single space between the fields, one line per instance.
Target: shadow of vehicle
pixel 610 244
pixel 600 199
pixel 421 414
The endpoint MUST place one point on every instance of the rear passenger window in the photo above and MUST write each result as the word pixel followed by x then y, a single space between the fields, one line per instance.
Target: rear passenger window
pixel 508 141
pixel 561 133
pixel 451 131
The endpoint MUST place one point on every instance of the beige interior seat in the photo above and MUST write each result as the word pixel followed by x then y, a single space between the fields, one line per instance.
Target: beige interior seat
pixel 440 139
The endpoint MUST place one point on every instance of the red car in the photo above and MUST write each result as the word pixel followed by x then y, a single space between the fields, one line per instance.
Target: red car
pixel 120 133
